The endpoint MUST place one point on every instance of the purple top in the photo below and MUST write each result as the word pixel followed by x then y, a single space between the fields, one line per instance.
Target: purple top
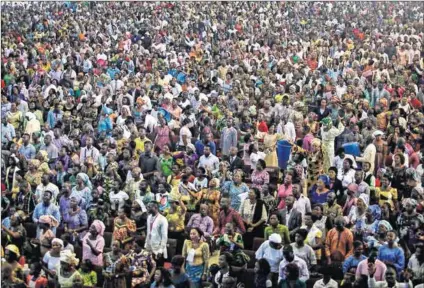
pixel 203 223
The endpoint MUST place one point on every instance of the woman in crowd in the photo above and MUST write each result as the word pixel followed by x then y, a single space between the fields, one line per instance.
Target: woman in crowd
pixel 260 176
pixel 124 226
pixel 254 215
pixel 143 263
pixel 235 188
pixel 114 267
pixel 93 244
pixel 162 279
pixel 67 274
pixel 75 219
pixel 211 196
pixel 175 215
pixel 196 253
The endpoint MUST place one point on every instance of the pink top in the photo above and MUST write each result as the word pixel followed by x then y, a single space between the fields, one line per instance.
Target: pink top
pixel 283 192
pixel 380 269
pixel 99 244
pixel 307 142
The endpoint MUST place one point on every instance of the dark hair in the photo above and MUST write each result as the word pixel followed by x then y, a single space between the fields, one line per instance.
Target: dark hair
pixel 303 233
pixel 228 257
pixel 185 121
pixel 257 192
pixel 177 260
pixel 401 156
pixel 350 161
pixel 89 264
pixel 293 270
pixel 198 230
pixel 333 169
pixel 262 162
pixel 318 205
pixel 264 268
pixel 166 277
pixel 357 244
pixel 340 150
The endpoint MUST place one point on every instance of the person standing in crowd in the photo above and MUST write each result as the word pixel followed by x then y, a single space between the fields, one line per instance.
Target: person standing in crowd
pixel 157 233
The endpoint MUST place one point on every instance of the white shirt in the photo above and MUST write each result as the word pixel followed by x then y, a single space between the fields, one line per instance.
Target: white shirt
pixel 330 284
pixel 157 234
pixel 273 256
pixel 118 199
pixel 185 131
pixel 39 191
pixel 92 152
pixel 303 269
pixel 211 162
pixel 303 205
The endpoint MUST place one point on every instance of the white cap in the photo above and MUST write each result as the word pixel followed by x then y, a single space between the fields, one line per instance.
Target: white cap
pixel 275 238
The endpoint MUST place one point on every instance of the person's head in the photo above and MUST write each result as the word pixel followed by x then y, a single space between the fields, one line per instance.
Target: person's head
pixel 207 150
pixel 300 236
pixel 35 268
pixel 296 190
pixel 366 166
pixel 87 266
pixel 225 260
pixel 25 138
pixel 225 203
pixel 385 180
pixel 391 237
pixel 317 211
pixel 47 197
pixel 390 274
pixel 153 207
pixel 11 253
pixel 292 271
pixel 274 219
pixel 261 165
pixel 332 172
pixel 233 151
pixel 290 201
pixel 204 209
pixel 419 252
pixel 138 245
pixel 288 253
pixel 148 147
pixel 116 246
pixel 254 194
pixel 74 202
pixel 45 179
pixel 339 223
pixel 358 248
pixel 124 212
pixel 57 245
pixel 308 219
pixel 177 263
pixel 347 164
pixel 229 228
pixel 262 267
pixel 288 178
pixel 195 234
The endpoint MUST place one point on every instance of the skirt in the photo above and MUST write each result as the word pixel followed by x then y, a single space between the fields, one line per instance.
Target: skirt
pixel 195 272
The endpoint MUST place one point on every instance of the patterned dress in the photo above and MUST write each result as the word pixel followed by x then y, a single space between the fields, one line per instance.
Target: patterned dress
pixel 212 198
pixel 315 167
pixel 259 178
pixel 141 263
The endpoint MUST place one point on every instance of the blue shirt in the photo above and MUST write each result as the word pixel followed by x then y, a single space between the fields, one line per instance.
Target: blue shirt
pixel 394 255
pixel 200 146
pixel 7 133
pixel 41 210
pixel 112 72
pixel 28 151
pixel 352 261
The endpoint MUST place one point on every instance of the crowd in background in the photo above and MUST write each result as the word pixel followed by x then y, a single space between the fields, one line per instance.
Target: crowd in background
pixel 140 144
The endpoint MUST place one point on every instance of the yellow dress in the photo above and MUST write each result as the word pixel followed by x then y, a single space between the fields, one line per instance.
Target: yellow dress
pixel 270 144
pixel 15 119
pixel 386 196
pixel 175 220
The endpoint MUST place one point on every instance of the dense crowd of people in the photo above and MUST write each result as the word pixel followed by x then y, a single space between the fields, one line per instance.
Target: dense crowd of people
pixel 140 144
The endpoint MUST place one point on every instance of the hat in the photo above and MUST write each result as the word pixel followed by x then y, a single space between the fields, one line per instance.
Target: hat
pixel 275 238
pixel 13 248
pixel 191 146
pixel 377 133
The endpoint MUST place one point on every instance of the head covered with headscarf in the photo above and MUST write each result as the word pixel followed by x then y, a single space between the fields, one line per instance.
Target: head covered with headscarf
pixel 85 179
pixel 100 227
pixel 48 219
pixel 13 248
pixel 59 242
pixel 68 257
pixel 325 179
pixel 327 121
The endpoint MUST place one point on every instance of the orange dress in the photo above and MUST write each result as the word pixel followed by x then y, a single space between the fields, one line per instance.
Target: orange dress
pixel 212 198
pixel 121 231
